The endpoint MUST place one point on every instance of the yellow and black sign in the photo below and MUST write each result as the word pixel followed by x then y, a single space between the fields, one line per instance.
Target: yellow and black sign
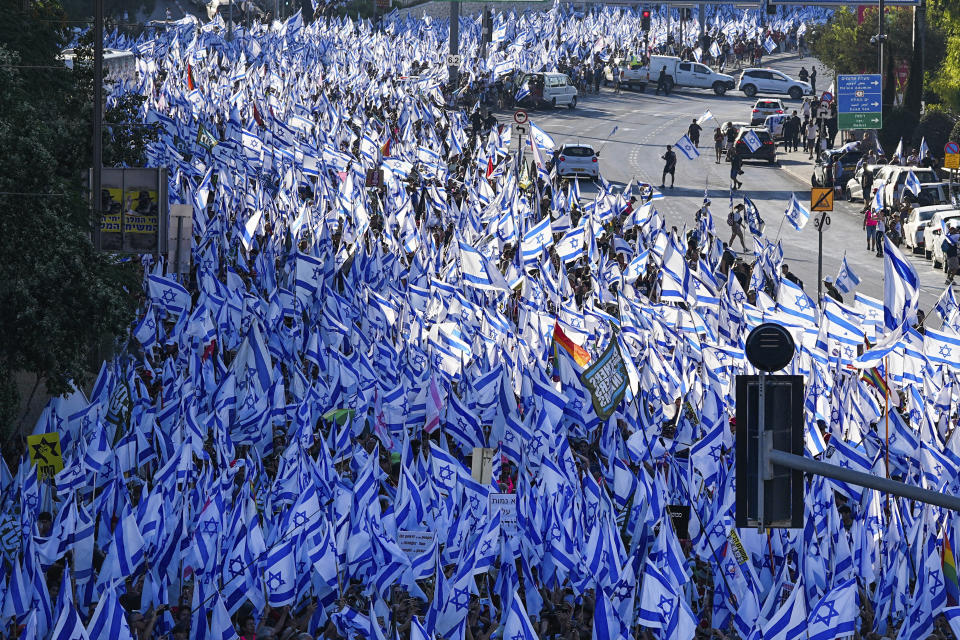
pixel 951 161
pixel 821 199
pixel 45 452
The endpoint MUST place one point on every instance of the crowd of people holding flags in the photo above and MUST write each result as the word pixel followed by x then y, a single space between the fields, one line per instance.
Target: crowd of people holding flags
pixel 415 386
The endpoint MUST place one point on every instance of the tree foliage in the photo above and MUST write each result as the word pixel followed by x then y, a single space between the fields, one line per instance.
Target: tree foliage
pixel 59 298
pixel 935 126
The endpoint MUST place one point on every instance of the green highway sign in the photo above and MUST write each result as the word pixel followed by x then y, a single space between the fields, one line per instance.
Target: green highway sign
pixel 860 120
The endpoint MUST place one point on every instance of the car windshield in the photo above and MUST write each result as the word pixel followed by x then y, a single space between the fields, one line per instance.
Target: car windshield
pixel 926 215
pixel 926 176
pixel 578 152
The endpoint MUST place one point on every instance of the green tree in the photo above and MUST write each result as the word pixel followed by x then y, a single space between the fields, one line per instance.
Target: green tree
pixel 59 297
pixel 935 126
pixel 844 41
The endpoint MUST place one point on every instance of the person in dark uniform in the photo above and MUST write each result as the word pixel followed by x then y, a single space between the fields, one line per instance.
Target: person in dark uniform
pixel 693 132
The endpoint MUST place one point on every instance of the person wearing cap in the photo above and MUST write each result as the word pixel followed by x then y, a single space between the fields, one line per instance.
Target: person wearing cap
pixel 832 290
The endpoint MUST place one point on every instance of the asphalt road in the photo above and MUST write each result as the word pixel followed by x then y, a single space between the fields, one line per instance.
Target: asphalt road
pixel 647 122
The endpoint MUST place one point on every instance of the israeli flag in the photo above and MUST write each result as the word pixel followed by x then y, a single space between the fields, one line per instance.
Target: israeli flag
pixel 706 114
pixel 846 279
pixel 796 214
pixel 769 44
pixel 687 148
pixel 924 149
pixel 912 183
pixel 542 138
pixel 714 50
pixel 752 140
pixel 901 287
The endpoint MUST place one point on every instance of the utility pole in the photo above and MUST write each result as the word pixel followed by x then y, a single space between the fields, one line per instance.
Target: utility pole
pixel 97 166
pixel 453 70
pixel 822 221
pixel 880 38
pixel 230 26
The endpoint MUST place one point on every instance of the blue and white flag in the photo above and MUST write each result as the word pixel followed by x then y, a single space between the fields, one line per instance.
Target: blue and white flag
pixel 706 114
pixel 836 614
pixel 846 279
pixel 108 620
pixel 169 295
pixel 912 183
pixel 769 44
pixel 752 216
pixel 542 138
pixel 538 238
pixel 790 621
pixel 924 149
pixel 279 573
pixel 687 148
pixel 901 287
pixel 518 625
pixel 796 214
pixel 752 140
pixel 68 625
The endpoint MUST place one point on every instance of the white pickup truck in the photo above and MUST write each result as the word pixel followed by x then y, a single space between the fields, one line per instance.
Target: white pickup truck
pixel 635 76
pixel 688 74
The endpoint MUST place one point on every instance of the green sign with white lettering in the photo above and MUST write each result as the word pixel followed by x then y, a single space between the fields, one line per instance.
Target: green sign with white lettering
pixel 860 120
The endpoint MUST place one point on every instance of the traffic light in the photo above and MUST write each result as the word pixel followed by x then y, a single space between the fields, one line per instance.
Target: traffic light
pixel 769 416
pixel 645 20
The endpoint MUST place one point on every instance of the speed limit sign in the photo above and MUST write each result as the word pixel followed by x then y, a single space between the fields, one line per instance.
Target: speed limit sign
pixel 520 116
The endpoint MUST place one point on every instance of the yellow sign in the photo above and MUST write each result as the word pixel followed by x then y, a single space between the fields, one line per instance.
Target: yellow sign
pixel 951 161
pixel 821 199
pixel 44 451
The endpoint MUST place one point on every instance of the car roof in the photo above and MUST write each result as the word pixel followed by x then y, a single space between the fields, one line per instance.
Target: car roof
pixel 934 207
pixel 948 211
pixel 567 145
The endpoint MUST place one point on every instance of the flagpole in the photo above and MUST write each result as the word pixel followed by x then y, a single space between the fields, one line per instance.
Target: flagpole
pixel 886 418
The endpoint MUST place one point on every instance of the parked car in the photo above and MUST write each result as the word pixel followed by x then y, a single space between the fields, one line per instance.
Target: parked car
pixel 915 226
pixel 552 89
pixel 578 160
pixel 845 165
pixel 931 193
pixel 770 81
pixel 766 151
pixel 853 190
pixel 893 177
pixel 764 108
pixel 933 236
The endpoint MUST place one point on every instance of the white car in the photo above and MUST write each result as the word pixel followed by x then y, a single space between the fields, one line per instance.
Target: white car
pixel 774 124
pixel 893 177
pixel 765 108
pixel 771 81
pixel 916 224
pixel 854 188
pixel 578 160
pixel 932 235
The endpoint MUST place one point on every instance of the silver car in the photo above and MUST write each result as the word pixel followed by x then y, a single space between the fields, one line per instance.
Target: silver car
pixel 578 160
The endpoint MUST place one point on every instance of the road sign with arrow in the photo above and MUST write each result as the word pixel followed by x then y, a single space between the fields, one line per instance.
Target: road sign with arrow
pixel 859 101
